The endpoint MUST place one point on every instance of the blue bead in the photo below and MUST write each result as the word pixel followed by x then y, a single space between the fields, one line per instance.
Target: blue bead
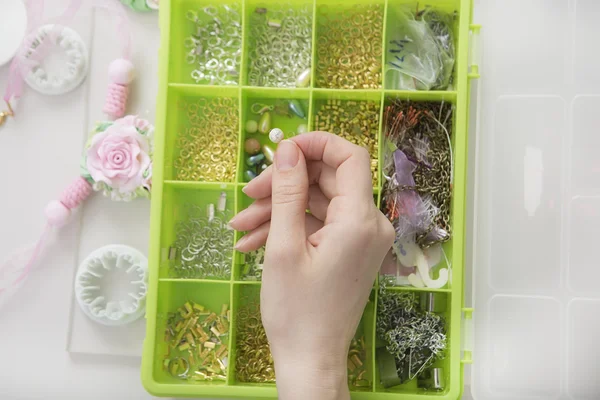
pixel 254 160
pixel 296 108
pixel 249 175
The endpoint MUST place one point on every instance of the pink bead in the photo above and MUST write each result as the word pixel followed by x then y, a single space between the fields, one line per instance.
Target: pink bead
pixel 121 71
pixel 57 214
pixel 76 193
pixel 116 100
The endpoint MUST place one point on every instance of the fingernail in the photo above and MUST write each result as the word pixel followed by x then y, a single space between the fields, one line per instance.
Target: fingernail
pixel 286 156
pixel 231 220
pixel 240 242
pixel 244 189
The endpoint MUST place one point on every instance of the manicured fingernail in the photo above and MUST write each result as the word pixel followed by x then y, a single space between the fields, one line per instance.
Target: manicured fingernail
pixel 237 216
pixel 286 156
pixel 240 242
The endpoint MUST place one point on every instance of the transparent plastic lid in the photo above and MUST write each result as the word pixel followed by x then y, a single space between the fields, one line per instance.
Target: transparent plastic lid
pixel 536 281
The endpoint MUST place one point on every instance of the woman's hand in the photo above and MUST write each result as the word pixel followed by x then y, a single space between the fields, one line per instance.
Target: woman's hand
pixel 319 266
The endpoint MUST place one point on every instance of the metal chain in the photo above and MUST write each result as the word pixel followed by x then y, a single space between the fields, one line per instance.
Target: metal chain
pixel 349 47
pixel 215 46
pixel 254 362
pixel 280 45
pixel 207 140
pixel 204 245
pixel 411 121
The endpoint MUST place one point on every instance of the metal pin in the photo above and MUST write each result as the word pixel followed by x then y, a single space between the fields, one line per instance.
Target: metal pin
pixel 432 379
pixel 432 302
pixel 172 253
pixel 210 211
pixel 274 23
pixel 222 202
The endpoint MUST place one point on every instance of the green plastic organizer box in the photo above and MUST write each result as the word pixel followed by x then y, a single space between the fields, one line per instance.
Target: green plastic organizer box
pixel 170 196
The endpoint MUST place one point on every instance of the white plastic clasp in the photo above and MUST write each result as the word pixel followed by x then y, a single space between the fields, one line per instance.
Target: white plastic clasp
pixel 474 51
pixel 467 336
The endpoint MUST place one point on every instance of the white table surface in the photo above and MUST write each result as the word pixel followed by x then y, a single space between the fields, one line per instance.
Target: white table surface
pixel 39 157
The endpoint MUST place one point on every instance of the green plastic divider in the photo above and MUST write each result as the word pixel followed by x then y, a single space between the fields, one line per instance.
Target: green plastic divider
pixel 170 194
pixel 243 202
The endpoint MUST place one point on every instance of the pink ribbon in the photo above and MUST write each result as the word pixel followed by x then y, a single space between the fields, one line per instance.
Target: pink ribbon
pixel 19 68
pixel 123 30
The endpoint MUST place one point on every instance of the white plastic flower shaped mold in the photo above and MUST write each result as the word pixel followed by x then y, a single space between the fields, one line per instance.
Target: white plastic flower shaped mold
pixel 111 285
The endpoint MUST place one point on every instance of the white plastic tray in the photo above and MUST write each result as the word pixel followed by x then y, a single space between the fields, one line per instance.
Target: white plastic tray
pixel 536 281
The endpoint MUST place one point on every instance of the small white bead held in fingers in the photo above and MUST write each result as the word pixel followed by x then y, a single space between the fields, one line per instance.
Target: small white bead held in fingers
pixel 276 135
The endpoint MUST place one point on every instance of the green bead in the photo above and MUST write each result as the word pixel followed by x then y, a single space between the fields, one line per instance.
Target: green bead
pixel 296 108
pixel 264 124
pixel 249 175
pixel 254 160
pixel 251 126
pixel 269 154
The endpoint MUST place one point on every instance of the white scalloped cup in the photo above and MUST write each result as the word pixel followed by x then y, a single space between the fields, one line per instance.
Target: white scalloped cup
pixel 64 64
pixel 111 285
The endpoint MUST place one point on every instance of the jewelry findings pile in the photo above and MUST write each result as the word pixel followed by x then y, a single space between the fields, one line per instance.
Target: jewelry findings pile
pixel 418 170
pixel 254 362
pixel 215 46
pixel 207 148
pixel 355 121
pixel 253 265
pixel 349 47
pixel 417 189
pixel 258 158
pixel 420 54
pixel 197 343
pixel 358 377
pixel 280 43
pixel 204 243
pixel 415 338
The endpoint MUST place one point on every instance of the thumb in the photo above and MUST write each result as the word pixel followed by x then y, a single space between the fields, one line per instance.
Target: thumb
pixel 289 197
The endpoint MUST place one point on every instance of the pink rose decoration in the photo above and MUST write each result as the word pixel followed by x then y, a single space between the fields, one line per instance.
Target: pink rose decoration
pixel 119 157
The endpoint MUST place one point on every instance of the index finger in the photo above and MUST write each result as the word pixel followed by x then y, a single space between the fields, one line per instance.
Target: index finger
pixel 351 162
